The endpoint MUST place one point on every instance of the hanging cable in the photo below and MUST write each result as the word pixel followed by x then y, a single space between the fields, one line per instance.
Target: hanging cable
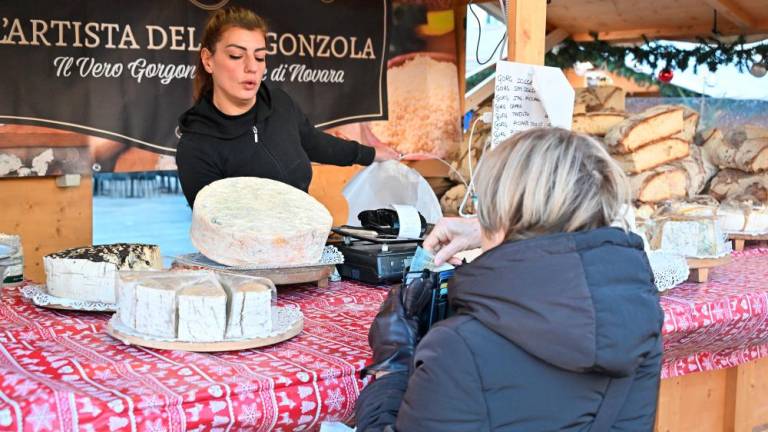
pixel 480 34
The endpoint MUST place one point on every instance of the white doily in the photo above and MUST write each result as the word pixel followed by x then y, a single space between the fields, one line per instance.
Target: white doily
pixel 669 270
pixel 38 295
pixel 331 256
pixel 283 319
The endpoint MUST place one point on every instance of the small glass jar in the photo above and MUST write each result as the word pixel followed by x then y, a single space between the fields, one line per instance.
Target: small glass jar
pixel 6 260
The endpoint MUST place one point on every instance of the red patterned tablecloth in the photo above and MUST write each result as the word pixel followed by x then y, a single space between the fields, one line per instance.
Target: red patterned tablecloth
pixel 60 371
pixel 721 323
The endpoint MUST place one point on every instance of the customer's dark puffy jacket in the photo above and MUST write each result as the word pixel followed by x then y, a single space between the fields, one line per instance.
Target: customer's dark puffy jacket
pixel 542 326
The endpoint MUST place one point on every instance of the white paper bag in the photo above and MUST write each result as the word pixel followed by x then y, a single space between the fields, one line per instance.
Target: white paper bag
pixel 384 184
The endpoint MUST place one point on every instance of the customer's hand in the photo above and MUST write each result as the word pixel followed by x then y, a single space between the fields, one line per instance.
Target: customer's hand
pixel 394 333
pixel 451 236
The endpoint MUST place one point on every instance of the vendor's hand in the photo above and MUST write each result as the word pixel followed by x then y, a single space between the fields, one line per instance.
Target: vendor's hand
pixel 394 333
pixel 386 153
pixel 451 236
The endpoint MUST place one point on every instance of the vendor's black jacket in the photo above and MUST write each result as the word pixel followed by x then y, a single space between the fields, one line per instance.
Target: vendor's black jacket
pixel 214 146
pixel 542 326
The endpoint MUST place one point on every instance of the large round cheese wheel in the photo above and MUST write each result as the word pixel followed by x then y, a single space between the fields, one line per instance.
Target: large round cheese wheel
pixel 244 221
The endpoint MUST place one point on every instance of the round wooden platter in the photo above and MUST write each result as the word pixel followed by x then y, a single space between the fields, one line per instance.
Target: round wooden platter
pixel 284 276
pixel 740 239
pixel 237 345
pixel 700 267
pixel 289 276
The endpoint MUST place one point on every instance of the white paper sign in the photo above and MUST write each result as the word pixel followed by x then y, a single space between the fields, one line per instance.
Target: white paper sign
pixel 410 222
pixel 529 96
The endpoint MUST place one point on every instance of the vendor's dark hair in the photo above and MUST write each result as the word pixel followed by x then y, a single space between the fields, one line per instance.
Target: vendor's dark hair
pixel 219 22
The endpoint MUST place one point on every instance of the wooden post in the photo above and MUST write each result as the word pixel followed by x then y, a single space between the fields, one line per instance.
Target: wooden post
pixel 459 17
pixel 526 30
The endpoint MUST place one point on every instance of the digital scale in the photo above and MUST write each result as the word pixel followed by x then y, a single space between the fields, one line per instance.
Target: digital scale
pixel 374 258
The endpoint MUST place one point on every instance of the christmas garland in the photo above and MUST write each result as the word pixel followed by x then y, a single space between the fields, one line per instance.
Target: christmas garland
pixel 711 53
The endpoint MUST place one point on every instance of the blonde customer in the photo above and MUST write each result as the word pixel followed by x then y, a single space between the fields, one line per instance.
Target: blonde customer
pixel 556 325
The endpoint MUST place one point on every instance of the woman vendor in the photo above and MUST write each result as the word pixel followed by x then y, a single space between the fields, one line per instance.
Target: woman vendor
pixel 241 126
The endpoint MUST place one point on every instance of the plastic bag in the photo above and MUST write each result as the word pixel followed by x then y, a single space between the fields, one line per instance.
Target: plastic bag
pixel 386 183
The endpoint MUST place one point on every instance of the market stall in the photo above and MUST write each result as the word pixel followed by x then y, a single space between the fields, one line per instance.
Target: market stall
pixel 60 370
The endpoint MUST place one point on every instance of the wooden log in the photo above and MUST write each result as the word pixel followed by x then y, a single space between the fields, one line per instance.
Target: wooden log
pixel 645 128
pixel 600 99
pixel 690 124
pixel 650 156
pixel 597 123
pixel 660 184
pixel 744 148
pixel 739 185
pixel 699 170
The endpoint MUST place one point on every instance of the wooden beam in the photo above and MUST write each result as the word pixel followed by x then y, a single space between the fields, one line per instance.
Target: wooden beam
pixel 732 12
pixel 555 37
pixel 526 29
pixel 479 93
pixel 680 32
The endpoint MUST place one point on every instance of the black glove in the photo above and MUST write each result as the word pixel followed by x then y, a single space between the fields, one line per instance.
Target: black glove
pixel 394 333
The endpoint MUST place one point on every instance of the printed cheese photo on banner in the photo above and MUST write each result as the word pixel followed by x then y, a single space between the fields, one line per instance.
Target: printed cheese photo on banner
pixel 422 85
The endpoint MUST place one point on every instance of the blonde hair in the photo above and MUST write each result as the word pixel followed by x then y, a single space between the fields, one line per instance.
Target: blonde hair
pixel 546 181
pixel 219 22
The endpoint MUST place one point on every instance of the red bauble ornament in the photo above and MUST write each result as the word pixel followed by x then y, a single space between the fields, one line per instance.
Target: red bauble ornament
pixel 666 75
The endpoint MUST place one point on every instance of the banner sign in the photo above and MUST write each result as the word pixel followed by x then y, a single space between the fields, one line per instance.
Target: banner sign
pixel 123 70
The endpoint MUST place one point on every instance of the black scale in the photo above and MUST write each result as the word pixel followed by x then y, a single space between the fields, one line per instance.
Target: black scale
pixel 374 258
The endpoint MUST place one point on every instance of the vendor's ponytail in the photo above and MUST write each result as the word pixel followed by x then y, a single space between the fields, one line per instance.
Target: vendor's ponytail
pixel 220 21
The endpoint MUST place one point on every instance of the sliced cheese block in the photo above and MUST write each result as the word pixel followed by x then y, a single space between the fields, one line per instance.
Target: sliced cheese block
pixel 155 308
pixel 658 185
pixel 601 98
pixel 743 217
pixel 744 148
pixel 732 184
pixel 645 128
pixel 89 273
pixel 596 123
pixel 202 312
pixel 247 303
pixel 676 235
pixel 195 305
pixel 652 155
pixel 254 221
